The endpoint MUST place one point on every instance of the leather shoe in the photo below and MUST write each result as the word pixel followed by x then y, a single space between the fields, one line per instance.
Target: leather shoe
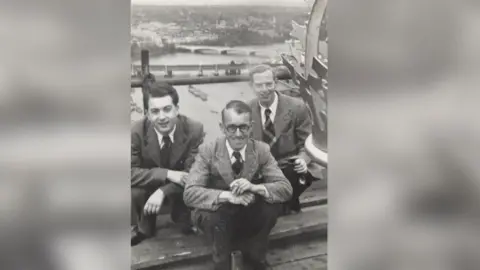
pixel 137 237
pixel 186 228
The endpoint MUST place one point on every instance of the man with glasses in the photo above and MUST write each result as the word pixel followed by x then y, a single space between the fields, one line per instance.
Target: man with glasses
pixel 284 123
pixel 236 189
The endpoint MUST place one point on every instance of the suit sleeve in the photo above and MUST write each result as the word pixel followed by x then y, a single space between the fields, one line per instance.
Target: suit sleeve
pixel 278 187
pixel 303 128
pixel 193 150
pixel 196 193
pixel 141 177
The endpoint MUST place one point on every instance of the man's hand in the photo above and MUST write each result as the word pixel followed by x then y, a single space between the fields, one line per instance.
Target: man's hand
pixel 241 185
pixel 177 177
pixel 244 199
pixel 154 203
pixel 300 166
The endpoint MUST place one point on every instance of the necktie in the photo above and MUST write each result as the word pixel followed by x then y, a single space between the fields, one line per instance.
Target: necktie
pixel 237 166
pixel 165 151
pixel 269 130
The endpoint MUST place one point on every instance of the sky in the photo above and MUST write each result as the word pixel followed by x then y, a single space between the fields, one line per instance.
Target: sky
pixel 221 2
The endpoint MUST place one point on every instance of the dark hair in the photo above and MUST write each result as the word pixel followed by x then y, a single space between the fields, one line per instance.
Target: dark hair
pixel 237 106
pixel 159 89
pixel 260 69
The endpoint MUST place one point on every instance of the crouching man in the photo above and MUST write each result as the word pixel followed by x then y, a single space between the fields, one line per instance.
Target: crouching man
pixel 164 145
pixel 236 189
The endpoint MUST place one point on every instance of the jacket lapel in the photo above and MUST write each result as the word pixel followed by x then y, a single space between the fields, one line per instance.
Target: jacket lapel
pixel 283 115
pixel 223 164
pixel 250 165
pixel 257 121
pixel 179 143
pixel 153 147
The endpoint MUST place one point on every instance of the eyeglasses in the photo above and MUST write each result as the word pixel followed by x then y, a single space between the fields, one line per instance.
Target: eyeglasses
pixel 233 128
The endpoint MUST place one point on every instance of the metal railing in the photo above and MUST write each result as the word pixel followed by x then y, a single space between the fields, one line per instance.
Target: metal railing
pixel 146 68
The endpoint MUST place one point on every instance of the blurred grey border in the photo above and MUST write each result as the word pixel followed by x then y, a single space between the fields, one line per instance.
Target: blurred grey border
pixel 65 134
pixel 404 136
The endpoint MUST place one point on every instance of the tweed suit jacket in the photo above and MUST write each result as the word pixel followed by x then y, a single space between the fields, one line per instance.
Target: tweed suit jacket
pixel 212 173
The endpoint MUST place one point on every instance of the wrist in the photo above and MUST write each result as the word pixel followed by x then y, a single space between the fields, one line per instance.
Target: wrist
pixel 172 176
pixel 258 189
pixel 225 196
pixel 160 191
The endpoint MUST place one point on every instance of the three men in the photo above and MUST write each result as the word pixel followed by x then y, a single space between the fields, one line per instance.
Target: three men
pixel 284 123
pixel 164 145
pixel 236 189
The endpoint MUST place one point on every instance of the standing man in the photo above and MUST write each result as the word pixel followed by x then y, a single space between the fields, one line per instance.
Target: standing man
pixel 164 145
pixel 284 123
pixel 236 189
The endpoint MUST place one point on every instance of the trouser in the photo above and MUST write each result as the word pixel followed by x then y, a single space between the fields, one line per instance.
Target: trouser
pixel 145 224
pixel 298 188
pixel 235 227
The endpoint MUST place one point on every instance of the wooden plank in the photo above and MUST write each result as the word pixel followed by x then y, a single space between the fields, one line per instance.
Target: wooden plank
pixel 310 252
pixel 155 252
pixel 315 263
pixel 302 250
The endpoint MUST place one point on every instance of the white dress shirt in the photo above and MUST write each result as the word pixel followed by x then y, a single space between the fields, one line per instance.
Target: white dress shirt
pixel 273 109
pixel 230 152
pixel 242 153
pixel 160 136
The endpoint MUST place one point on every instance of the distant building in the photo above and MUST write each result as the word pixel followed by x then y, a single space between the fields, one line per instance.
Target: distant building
pixel 221 24
pixel 267 32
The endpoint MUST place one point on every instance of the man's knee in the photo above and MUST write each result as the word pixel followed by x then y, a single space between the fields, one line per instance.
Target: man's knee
pixel 138 195
pixel 270 211
pixel 208 220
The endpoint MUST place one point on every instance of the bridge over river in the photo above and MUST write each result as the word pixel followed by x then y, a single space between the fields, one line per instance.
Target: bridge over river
pixel 223 50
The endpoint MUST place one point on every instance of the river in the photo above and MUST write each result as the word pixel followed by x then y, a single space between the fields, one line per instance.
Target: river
pixel 208 111
pixel 191 58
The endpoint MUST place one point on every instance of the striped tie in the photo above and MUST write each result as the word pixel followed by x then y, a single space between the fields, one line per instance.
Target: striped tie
pixel 269 130
pixel 237 166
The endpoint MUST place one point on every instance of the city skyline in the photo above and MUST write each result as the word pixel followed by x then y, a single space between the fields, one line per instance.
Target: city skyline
pixel 221 2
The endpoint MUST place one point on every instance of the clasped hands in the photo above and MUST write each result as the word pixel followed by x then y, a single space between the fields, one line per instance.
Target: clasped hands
pixel 242 192
pixel 155 201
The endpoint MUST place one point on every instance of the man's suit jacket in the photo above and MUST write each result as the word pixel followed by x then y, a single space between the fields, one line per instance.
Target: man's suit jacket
pixel 146 170
pixel 293 125
pixel 212 173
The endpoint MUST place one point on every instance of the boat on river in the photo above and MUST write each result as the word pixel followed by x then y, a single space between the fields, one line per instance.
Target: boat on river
pixel 198 93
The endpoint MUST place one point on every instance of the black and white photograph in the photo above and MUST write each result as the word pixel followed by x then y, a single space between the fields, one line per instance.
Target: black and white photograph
pixel 229 134
pixel 222 161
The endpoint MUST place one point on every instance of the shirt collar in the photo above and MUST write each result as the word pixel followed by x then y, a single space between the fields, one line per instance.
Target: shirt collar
pixel 160 136
pixel 230 151
pixel 273 106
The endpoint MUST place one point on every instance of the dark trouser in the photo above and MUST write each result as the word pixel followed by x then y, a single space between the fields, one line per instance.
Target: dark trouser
pixel 298 188
pixel 237 227
pixel 146 223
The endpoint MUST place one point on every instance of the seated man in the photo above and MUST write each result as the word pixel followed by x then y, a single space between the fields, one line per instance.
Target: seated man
pixel 236 189
pixel 164 145
pixel 284 123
